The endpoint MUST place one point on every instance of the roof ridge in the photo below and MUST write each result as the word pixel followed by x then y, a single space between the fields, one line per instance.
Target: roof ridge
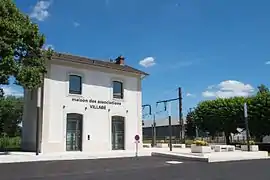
pixel 97 62
pixel 85 57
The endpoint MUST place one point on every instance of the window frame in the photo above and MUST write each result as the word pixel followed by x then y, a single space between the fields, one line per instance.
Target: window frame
pixel 121 96
pixel 81 84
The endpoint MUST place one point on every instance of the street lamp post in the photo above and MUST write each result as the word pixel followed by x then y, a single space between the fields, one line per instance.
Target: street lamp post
pixel 246 123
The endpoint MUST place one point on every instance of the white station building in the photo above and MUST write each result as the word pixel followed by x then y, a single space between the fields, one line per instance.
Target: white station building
pixel 84 105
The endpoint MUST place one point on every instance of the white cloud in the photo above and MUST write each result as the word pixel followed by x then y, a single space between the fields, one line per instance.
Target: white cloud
pixel 47 46
pixel 9 90
pixel 40 11
pixel 267 62
pixel 229 88
pixel 208 94
pixel 76 24
pixel 147 62
pixel 190 95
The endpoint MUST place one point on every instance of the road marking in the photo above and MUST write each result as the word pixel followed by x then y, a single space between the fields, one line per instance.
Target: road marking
pixel 174 162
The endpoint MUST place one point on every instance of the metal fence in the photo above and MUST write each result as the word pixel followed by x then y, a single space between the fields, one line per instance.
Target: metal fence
pixel 176 140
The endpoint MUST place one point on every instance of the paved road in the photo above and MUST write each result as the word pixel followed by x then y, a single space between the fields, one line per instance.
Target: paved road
pixel 143 168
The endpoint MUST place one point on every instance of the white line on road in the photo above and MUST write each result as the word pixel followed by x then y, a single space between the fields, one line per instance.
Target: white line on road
pixel 174 162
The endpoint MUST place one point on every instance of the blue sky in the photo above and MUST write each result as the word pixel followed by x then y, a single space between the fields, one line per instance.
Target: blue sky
pixel 210 48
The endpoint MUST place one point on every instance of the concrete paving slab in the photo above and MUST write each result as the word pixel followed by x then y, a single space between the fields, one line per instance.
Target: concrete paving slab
pixel 15 157
pixel 177 153
pixel 185 154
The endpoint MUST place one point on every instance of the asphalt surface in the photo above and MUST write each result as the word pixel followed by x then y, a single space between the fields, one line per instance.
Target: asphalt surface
pixel 143 168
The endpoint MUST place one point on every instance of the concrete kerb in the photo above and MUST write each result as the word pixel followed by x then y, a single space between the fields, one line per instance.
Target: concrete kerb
pixel 259 155
pixel 4 153
pixel 234 160
pixel 180 156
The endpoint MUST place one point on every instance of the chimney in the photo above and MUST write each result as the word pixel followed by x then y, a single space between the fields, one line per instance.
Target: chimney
pixel 120 60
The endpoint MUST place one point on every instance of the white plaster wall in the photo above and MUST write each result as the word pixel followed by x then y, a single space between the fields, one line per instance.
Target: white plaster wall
pixel 96 123
pixel 29 121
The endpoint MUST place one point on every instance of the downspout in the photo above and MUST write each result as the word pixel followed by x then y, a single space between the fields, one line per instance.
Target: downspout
pixel 39 109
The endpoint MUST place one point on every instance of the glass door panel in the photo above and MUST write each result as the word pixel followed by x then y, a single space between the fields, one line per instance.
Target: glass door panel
pixel 118 133
pixel 73 134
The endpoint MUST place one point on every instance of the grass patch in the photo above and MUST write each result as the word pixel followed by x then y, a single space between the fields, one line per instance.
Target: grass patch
pixel 10 143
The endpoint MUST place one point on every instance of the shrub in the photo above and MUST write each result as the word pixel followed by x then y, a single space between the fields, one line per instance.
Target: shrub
pixel 200 143
pixel 147 141
pixel 189 142
pixel 251 142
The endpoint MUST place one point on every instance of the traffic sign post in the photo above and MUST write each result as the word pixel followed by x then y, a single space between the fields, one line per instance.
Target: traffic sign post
pixel 137 138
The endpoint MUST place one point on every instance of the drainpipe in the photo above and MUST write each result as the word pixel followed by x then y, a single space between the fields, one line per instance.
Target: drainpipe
pixel 39 109
pixel 37 123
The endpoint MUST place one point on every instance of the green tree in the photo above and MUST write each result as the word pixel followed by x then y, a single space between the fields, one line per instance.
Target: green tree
pixel 220 115
pixel 191 126
pixel 21 53
pixel 232 114
pixel 259 115
pixel 1 93
pixel 262 89
pixel 226 115
pixel 11 109
pixel 206 119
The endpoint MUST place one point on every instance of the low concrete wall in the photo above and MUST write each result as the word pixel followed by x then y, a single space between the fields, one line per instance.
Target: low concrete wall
pixel 145 145
pixel 179 145
pixel 162 145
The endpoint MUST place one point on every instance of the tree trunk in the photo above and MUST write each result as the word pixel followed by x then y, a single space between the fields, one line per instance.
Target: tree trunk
pixel 259 138
pixel 227 136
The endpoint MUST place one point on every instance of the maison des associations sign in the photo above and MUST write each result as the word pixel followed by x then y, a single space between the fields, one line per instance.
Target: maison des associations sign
pixel 96 104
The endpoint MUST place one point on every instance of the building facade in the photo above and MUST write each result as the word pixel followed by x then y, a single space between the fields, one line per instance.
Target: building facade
pixel 84 105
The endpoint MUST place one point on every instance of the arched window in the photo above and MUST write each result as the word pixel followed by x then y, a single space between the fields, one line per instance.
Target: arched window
pixel 118 90
pixel 118 133
pixel 74 132
pixel 75 84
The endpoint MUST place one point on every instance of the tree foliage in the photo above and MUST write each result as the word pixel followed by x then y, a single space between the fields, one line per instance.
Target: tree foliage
pixel 259 115
pixel 190 126
pixel 226 115
pixel 1 93
pixel 21 53
pixel 11 109
pixel 21 56
pixel 262 89
pixel 220 115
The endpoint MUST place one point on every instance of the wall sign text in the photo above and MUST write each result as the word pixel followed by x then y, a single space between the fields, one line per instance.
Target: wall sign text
pixel 96 104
